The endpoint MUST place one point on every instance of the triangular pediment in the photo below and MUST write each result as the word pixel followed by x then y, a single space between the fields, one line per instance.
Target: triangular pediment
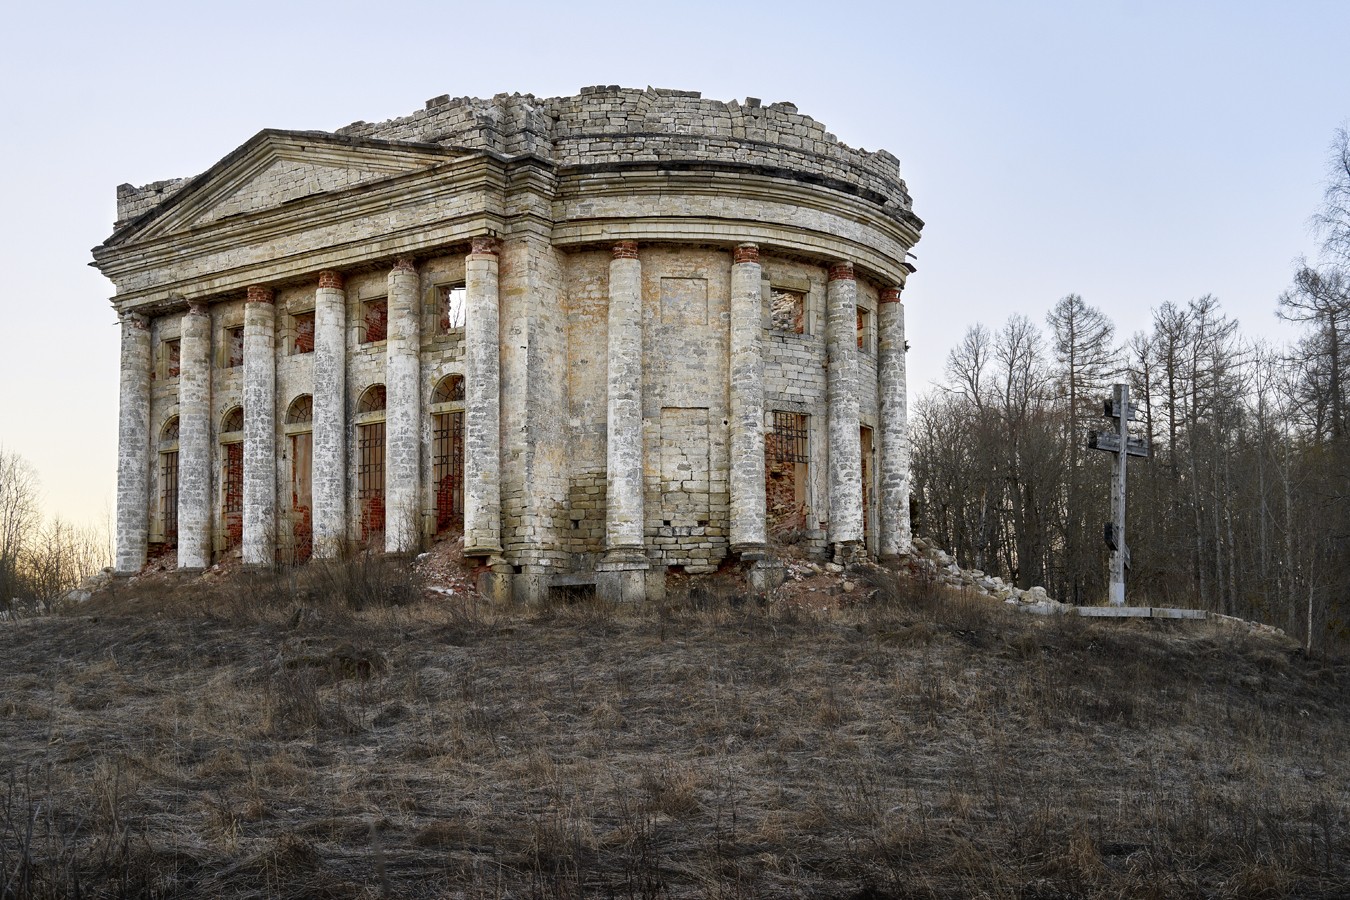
pixel 278 167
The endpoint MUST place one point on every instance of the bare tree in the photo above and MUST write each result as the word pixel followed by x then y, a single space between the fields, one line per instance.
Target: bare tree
pixel 1332 220
pixel 19 518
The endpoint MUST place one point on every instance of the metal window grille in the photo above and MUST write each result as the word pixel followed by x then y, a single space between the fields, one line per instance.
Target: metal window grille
pixel 448 468
pixel 304 333
pixel 168 480
pixel 787 443
pixel 452 308
pixel 233 420
pixel 233 503
pixel 370 478
pixel 170 432
pixel 376 314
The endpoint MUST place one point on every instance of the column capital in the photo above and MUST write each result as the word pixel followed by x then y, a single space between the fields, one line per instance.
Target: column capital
pixel 842 271
pixel 196 307
pixel 746 253
pixel 625 250
pixel 258 293
pixel 890 295
pixel 485 246
pixel 404 264
pixel 134 320
pixel 330 279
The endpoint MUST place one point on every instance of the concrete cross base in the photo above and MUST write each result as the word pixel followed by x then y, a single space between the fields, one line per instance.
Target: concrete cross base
pixel 765 574
pixel 625 585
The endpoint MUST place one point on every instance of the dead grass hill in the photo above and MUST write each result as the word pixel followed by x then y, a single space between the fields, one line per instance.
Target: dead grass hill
pixel 342 731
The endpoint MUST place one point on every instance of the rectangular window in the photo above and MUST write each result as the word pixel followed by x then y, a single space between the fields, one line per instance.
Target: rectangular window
pixel 448 469
pixel 789 310
pixel 173 354
pixel 864 330
pixel 232 504
pixel 302 452
pixel 374 320
pixel 168 495
pixel 786 456
pixel 304 333
pixel 452 308
pixel 370 478
pixel 234 347
pixel 865 440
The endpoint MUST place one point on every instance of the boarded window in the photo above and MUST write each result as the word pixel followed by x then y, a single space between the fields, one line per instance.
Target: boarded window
pixel 452 308
pixel 789 311
pixel 304 333
pixel 374 320
pixel 234 347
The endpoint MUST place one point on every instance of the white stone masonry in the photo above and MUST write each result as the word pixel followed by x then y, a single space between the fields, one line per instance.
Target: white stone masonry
pixel 402 437
pixel 194 440
pixel 748 529
pixel 894 539
pixel 133 446
pixel 482 401
pixel 845 485
pixel 260 424
pixel 329 465
pixel 623 441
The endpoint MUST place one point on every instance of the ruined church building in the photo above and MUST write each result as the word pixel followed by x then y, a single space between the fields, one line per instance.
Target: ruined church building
pixel 605 337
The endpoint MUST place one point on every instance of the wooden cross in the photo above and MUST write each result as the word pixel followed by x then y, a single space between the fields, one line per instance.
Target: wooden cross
pixel 1121 446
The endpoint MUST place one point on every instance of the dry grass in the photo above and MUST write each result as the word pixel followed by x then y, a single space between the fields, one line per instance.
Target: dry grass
pixel 272 737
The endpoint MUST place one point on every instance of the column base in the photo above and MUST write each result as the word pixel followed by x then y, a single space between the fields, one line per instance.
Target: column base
pixel 621 577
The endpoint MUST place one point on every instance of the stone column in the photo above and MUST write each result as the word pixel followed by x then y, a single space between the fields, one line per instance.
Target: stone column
pixel 133 446
pixel 403 411
pixel 620 574
pixel 482 401
pixel 845 484
pixel 894 539
pixel 194 439
pixel 329 463
pixel 748 529
pixel 260 424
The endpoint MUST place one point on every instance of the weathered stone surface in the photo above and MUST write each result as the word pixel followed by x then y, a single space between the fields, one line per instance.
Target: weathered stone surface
pixel 599 272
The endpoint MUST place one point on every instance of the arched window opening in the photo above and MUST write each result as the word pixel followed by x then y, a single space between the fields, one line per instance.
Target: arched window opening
pixel 301 411
pixel 449 389
pixel 370 460
pixel 300 441
pixel 372 400
pixel 232 478
pixel 168 482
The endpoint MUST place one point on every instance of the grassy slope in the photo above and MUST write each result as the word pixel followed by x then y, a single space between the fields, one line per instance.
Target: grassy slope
pixel 212 741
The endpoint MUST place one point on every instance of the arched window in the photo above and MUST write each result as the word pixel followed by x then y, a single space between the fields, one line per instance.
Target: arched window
pixel 449 389
pixel 300 440
pixel 168 482
pixel 232 421
pixel 232 478
pixel 301 411
pixel 372 400
pixel 370 460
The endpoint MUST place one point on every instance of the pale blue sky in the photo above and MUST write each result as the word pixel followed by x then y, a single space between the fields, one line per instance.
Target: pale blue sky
pixel 1131 152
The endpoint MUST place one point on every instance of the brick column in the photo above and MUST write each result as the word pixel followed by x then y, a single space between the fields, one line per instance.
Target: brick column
pixel 845 484
pixel 894 537
pixel 194 439
pixel 482 401
pixel 403 411
pixel 329 463
pixel 133 446
pixel 260 423
pixel 748 531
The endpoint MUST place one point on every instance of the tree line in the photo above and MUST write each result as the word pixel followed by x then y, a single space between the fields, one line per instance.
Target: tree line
pixel 1244 507
pixel 41 558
